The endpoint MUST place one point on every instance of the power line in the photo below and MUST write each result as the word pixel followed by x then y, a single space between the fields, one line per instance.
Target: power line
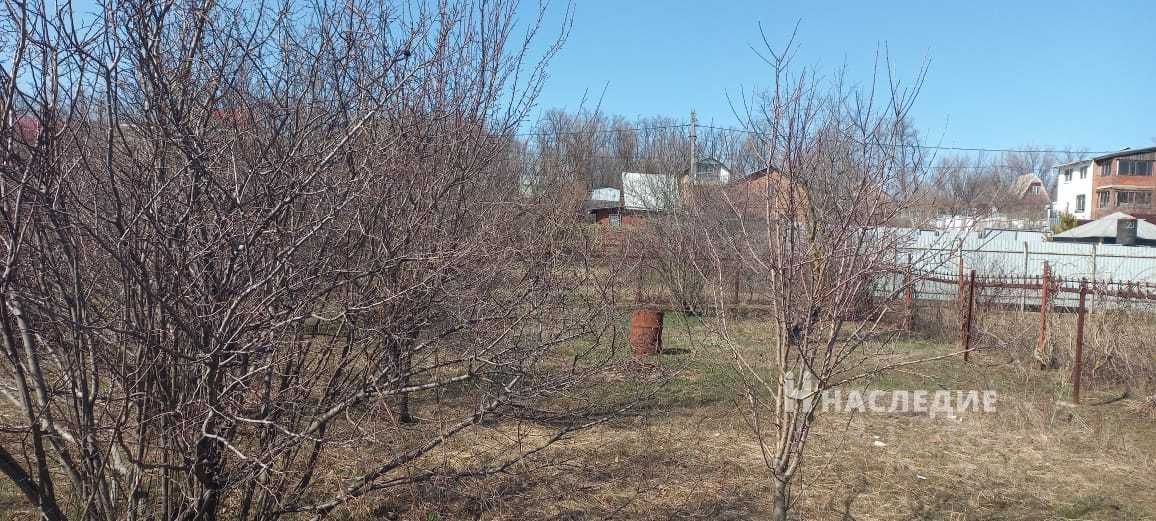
pixel 673 159
pixel 933 147
pixel 600 131
pixel 755 132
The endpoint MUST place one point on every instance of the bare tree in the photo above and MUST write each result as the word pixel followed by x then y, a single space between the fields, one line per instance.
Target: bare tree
pixel 812 232
pixel 241 241
pixel 980 183
pixel 972 185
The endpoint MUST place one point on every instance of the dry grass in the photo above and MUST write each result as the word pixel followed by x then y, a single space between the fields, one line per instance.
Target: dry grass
pixel 1145 407
pixel 689 456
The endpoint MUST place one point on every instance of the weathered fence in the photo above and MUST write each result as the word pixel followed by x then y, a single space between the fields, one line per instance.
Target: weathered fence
pixel 962 279
pixel 1045 294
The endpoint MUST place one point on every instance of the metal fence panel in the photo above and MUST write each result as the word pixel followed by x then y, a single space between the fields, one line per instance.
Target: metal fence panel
pixel 1003 256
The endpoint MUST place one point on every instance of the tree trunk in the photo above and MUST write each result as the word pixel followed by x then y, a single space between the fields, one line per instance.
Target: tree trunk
pixel 399 358
pixel 403 413
pixel 779 506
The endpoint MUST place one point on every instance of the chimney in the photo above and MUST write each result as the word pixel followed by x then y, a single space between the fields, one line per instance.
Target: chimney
pixel 1126 228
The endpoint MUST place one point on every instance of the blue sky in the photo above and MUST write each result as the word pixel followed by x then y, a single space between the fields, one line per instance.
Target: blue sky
pixel 1002 74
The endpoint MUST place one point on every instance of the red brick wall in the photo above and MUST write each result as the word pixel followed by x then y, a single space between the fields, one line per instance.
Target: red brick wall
pixel 1100 181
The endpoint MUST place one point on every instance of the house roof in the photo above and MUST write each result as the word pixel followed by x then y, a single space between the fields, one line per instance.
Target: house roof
pixel 1022 183
pixel 653 192
pixel 762 172
pixel 710 170
pixel 1125 152
pixel 710 162
pixel 1106 227
pixel 601 198
pixel 605 193
pixel 1074 163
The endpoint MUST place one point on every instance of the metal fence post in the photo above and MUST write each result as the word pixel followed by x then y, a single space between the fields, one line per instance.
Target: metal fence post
pixel 1024 295
pixel 1078 359
pixel 1041 344
pixel 908 298
pixel 969 314
pixel 962 278
pixel 1094 249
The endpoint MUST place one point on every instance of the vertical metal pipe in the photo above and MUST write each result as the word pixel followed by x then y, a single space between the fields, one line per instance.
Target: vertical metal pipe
pixel 1024 295
pixel 1078 359
pixel 965 340
pixel 1041 344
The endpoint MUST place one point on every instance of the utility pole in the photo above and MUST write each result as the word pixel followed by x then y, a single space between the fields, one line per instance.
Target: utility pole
pixel 693 150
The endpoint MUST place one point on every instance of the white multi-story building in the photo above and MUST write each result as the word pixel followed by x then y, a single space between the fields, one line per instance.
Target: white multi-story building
pixel 1074 189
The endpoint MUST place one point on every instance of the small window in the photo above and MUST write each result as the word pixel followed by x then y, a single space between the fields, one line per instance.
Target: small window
pixel 1080 203
pixel 1106 168
pixel 1067 175
pixel 1133 167
pixel 1084 172
pixel 1034 189
pixel 615 219
pixel 1105 199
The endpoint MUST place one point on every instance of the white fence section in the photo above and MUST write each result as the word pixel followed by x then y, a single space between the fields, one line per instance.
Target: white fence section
pixel 997 256
pixel 1026 259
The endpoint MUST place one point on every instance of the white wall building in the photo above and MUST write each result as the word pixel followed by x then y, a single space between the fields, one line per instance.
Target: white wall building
pixel 1074 189
pixel 711 171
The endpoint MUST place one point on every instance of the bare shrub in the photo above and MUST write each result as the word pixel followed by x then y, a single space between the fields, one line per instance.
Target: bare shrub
pixel 246 247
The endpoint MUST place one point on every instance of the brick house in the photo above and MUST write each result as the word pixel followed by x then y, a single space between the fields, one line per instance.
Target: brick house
pixel 769 190
pixel 752 194
pixel 1123 182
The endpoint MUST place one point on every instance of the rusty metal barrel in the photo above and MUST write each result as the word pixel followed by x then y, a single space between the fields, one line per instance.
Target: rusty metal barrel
pixel 646 332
